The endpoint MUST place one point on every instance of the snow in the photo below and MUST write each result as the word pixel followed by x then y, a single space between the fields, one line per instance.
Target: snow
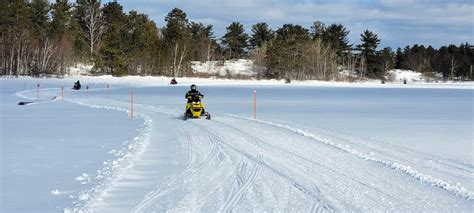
pixel 79 69
pixel 228 68
pixel 315 146
pixel 455 189
pixel 408 75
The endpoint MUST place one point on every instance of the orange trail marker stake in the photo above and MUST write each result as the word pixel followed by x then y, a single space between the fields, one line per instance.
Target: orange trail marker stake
pixel 254 104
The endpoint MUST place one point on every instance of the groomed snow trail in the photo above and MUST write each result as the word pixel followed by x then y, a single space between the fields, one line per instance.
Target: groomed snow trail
pixel 233 163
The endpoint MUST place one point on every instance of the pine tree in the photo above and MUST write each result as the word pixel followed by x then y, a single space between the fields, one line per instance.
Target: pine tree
pixel 40 18
pixel 177 26
pixel 399 58
pixel 235 40
pixel 177 36
pixel 61 19
pixel 16 25
pixel 143 43
pixel 286 53
pixel 367 50
pixel 260 35
pixel 203 42
pixel 64 32
pixel 115 41
pixel 335 35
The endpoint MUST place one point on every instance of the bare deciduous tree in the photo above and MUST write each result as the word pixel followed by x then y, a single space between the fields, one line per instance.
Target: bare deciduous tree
pixel 45 58
pixel 178 54
pixel 453 67
pixel 94 26
pixel 258 56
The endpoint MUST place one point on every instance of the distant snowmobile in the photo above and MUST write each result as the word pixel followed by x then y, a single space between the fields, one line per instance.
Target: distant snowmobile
pixel 77 85
pixel 195 107
pixel 173 81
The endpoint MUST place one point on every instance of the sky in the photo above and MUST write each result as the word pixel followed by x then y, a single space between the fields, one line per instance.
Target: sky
pixel 397 22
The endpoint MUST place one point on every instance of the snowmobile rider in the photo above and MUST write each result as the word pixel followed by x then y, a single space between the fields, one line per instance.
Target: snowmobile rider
pixel 193 94
pixel 77 85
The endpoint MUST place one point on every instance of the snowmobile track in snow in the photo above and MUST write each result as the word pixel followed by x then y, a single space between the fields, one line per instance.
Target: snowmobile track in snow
pixel 258 161
pixel 432 181
pixel 242 156
pixel 242 184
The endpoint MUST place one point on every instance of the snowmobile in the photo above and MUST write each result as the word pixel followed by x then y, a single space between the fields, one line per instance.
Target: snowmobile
pixel 173 81
pixel 195 109
pixel 77 86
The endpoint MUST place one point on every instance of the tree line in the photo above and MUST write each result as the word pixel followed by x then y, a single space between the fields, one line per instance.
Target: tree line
pixel 42 38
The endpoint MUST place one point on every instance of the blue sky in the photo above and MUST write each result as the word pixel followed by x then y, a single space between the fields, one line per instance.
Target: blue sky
pixel 397 22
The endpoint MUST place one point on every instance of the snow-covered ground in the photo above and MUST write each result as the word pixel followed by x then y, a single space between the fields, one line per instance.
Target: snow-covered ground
pixel 406 75
pixel 315 146
pixel 229 68
pixel 79 69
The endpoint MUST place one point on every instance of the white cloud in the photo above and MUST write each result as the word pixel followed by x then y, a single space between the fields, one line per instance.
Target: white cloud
pixel 414 20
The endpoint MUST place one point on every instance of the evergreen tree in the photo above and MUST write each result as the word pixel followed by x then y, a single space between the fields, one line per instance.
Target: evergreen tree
pixel 143 43
pixel 335 35
pixel 16 25
pixel 115 41
pixel 61 19
pixel 177 26
pixel 199 30
pixel 64 32
pixel 235 40
pixel 260 34
pixel 40 18
pixel 286 53
pixel 399 59
pixel 203 41
pixel 177 35
pixel 367 50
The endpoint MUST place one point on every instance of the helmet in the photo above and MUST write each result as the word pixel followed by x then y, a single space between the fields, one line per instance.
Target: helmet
pixel 193 87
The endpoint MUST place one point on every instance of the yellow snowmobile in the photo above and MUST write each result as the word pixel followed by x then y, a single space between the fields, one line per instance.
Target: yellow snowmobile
pixel 195 109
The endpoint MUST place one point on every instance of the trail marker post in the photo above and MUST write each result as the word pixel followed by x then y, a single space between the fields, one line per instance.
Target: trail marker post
pixel 254 104
pixel 38 91
pixel 62 92
pixel 131 104
pixel 107 90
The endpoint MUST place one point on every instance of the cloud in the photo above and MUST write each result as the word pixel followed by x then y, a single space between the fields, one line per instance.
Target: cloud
pixel 397 22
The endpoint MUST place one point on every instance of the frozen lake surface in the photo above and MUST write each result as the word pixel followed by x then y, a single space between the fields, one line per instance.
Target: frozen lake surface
pixel 311 148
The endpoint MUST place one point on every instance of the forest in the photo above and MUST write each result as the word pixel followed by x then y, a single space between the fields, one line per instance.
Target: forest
pixel 39 38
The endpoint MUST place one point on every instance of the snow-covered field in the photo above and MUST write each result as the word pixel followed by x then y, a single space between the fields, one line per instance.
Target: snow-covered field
pixel 314 147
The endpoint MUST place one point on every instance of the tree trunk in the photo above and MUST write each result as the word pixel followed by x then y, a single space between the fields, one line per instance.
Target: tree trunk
pixel 183 54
